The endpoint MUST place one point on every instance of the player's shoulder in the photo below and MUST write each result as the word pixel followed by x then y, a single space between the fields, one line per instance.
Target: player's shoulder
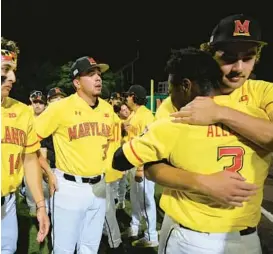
pixel 63 103
pixel 258 84
pixel 165 109
pixel 226 101
pixel 145 110
pixel 105 104
pixel 165 125
pixel 18 106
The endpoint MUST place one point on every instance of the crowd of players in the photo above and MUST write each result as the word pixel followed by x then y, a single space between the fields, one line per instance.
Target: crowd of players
pixel 89 146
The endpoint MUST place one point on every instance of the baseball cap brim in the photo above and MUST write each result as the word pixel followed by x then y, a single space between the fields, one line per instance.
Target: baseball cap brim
pixel 102 67
pixel 56 95
pixel 205 44
pixel 37 100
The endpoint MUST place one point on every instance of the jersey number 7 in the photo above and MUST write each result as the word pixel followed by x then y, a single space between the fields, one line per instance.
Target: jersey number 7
pixel 236 152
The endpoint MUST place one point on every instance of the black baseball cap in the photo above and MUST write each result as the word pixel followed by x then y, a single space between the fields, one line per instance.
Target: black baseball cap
pixel 39 98
pixel 138 91
pixel 115 95
pixel 55 91
pixel 85 64
pixel 235 28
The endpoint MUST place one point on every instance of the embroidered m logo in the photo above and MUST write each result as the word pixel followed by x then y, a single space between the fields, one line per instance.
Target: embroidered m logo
pixel 241 29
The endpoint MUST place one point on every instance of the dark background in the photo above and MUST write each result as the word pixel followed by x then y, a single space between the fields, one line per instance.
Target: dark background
pixel 112 32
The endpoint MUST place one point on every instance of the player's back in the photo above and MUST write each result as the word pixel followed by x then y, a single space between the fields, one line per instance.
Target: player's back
pixel 207 150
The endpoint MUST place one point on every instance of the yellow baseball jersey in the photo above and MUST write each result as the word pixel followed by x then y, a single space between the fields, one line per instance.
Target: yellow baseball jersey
pixel 256 93
pixel 139 122
pixel 205 150
pixel 126 138
pixel 165 109
pixel 18 138
pixel 80 134
pixel 111 174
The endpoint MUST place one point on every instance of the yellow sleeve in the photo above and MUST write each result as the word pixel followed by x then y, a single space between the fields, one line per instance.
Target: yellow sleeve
pixel 47 122
pixel 264 92
pixel 146 121
pixel 155 144
pixel 33 143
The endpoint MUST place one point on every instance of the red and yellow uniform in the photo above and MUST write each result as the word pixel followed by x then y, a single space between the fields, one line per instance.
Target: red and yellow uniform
pixel 205 150
pixel 18 138
pixel 165 109
pixel 139 122
pixel 80 134
pixel 256 93
pixel 113 175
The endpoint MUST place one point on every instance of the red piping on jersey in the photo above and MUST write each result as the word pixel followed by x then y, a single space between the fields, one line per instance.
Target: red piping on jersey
pixel 40 137
pixel 131 146
pixel 32 144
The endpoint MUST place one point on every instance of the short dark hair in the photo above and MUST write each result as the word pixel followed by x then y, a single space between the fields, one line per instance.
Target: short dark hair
pixel 9 45
pixel 196 65
pixel 118 106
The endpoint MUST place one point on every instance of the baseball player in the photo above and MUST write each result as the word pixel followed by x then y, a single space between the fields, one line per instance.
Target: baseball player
pixel 123 112
pixel 18 152
pixel 236 44
pixel 81 126
pixel 111 178
pixel 244 51
pixel 220 228
pixel 55 94
pixel 142 190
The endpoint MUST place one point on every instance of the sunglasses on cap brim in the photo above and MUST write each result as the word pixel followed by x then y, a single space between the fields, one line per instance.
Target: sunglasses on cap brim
pixel 36 93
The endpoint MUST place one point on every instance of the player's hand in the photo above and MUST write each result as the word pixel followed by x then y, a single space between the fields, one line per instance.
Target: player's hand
pixel 44 224
pixel 228 187
pixel 126 126
pixel 52 182
pixel 201 111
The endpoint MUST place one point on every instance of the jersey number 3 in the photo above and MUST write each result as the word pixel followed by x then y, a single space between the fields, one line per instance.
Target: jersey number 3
pixel 236 152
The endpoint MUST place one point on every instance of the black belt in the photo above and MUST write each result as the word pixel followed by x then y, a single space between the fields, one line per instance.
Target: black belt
pixel 246 231
pixel 92 180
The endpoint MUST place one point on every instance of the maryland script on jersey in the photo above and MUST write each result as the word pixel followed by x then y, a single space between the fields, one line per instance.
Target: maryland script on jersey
pixel 205 150
pixel 80 133
pixel 18 138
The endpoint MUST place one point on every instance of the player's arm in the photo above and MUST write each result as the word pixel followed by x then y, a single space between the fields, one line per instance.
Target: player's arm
pixel 33 175
pixel 204 111
pixel 259 131
pixel 226 187
pixel 47 122
pixel 51 178
pixel 151 146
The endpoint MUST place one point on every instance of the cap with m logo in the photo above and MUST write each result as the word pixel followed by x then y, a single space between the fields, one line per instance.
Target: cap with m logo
pixel 241 29
pixel 238 27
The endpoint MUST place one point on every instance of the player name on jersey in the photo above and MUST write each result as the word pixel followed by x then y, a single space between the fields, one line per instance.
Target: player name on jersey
pixel 14 136
pixel 89 129
pixel 219 130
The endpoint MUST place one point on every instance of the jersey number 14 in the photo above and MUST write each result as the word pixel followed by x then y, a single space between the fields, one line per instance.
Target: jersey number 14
pixel 14 161
pixel 236 153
